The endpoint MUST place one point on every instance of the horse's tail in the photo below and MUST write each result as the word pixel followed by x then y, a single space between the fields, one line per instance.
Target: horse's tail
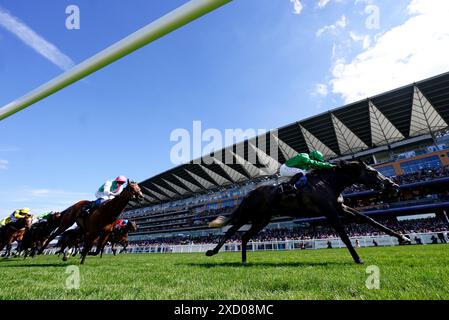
pixel 219 222
pixel 222 221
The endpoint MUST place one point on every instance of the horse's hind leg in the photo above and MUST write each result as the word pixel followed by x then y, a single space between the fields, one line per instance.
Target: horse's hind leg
pixel 354 213
pixel 88 244
pixel 223 240
pixel 335 221
pixel 125 246
pixel 255 228
pixel 52 236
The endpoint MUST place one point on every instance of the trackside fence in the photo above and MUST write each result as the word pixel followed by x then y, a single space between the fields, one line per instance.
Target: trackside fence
pixel 365 241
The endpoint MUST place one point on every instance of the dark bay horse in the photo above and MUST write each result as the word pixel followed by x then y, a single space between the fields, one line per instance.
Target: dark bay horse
pixel 14 231
pixel 321 196
pixel 68 218
pixel 99 224
pixel 34 238
pixel 70 242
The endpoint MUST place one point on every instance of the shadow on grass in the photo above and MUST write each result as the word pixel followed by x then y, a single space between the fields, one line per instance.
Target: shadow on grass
pixel 3 259
pixel 264 264
pixel 31 265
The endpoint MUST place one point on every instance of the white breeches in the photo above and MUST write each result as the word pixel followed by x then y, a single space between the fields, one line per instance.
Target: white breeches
pixel 290 172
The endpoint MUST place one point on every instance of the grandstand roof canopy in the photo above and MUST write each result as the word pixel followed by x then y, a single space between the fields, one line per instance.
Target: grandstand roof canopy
pixel 412 111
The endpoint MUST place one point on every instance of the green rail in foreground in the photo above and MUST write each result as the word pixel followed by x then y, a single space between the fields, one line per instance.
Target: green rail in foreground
pixel 168 23
pixel 410 272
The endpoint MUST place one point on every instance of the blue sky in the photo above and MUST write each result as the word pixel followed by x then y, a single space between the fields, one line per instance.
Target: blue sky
pixel 250 64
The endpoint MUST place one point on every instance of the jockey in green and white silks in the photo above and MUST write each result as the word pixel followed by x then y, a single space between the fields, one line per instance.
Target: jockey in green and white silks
pixel 110 189
pixel 300 164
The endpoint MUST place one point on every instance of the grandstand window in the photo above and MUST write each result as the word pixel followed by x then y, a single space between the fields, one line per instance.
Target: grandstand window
pixel 213 205
pixel 387 171
pixel 419 164
pixel 227 203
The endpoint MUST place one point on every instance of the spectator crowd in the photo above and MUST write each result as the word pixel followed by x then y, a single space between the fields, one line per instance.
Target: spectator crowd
pixel 313 232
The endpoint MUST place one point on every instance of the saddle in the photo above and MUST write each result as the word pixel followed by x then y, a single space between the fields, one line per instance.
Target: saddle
pixel 295 184
pixel 85 212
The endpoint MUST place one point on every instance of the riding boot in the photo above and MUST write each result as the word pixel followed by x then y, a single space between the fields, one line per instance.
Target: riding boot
pixel 87 209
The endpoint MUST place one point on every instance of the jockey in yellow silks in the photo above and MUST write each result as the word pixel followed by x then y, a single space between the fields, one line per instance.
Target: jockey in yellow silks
pixel 15 216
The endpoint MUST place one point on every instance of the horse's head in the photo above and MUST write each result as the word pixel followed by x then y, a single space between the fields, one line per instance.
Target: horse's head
pixel 132 191
pixel 372 178
pixel 132 226
pixel 56 216
pixel 26 222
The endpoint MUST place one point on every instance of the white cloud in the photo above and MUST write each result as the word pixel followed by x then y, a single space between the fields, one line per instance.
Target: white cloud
pixel 340 24
pixel 366 39
pixel 34 40
pixel 322 3
pixel 3 164
pixel 52 193
pixel 413 51
pixel 297 6
pixel 321 89
pixel 40 199
pixel 364 1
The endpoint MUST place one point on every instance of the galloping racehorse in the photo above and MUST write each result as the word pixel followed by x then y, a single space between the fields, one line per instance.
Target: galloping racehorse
pixel 320 196
pixel 14 231
pixel 68 218
pixel 120 236
pixel 34 238
pixel 70 242
pixel 99 224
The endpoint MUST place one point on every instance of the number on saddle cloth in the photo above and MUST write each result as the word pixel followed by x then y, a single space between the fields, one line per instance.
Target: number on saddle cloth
pixel 300 181
pixel 296 182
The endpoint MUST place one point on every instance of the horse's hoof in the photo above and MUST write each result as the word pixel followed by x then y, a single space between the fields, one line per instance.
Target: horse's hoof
pixel 404 240
pixel 210 253
pixel 64 258
pixel 360 261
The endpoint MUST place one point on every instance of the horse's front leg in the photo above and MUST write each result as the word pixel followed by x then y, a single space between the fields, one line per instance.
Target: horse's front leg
pixel 361 217
pixel 101 244
pixel 125 246
pixel 332 215
pixel 114 251
pixel 255 228
pixel 8 250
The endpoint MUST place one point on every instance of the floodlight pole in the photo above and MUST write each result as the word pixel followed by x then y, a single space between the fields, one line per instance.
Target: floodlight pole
pixel 155 30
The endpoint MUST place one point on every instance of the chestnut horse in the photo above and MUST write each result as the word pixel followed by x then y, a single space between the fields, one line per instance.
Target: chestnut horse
pixel 14 231
pixel 120 236
pixel 99 224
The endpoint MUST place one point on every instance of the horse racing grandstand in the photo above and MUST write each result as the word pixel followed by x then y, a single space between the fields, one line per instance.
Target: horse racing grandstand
pixel 403 133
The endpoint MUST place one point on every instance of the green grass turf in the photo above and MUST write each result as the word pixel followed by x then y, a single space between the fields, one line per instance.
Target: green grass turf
pixel 411 272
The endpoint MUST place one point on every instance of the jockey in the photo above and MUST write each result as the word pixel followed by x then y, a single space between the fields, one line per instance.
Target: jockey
pixel 108 191
pixel 120 224
pixel 45 216
pixel 15 216
pixel 298 166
